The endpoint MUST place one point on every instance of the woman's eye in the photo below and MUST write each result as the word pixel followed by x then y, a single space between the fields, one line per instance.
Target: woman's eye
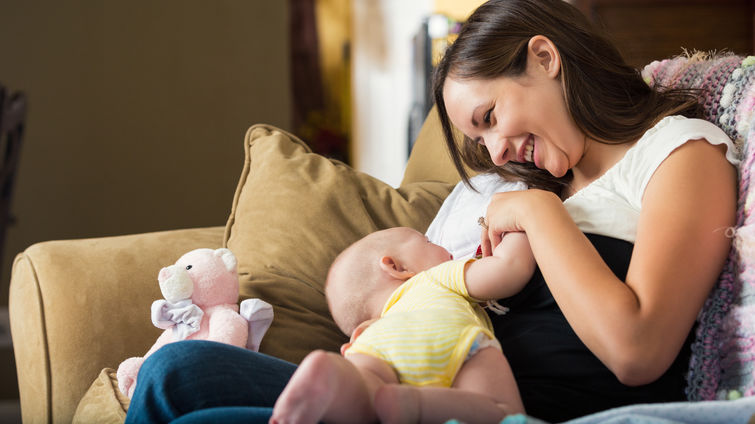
pixel 486 117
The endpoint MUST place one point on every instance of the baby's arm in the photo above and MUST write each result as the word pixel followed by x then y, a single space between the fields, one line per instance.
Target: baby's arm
pixel 503 274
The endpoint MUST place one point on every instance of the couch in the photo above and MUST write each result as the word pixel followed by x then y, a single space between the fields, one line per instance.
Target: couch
pixel 80 307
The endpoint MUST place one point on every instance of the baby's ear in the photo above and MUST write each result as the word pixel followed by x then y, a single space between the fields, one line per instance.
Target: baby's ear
pixel 393 267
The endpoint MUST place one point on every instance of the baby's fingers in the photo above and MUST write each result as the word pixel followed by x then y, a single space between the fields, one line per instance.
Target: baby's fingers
pixel 485 246
pixel 495 239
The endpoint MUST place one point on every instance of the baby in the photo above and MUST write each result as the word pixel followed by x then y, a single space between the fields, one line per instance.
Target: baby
pixel 422 348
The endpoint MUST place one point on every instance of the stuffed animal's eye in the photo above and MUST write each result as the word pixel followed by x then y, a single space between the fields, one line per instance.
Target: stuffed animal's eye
pixel 188 267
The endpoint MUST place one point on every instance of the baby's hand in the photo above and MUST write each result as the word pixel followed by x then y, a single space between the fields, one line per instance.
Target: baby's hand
pixel 356 333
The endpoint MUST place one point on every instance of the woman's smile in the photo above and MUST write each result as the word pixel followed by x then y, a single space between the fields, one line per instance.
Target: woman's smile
pixel 528 149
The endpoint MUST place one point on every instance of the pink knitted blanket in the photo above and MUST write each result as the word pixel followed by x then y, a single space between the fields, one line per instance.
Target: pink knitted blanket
pixel 723 353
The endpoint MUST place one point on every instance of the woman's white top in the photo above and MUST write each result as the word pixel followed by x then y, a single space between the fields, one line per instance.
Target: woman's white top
pixel 455 226
pixel 610 206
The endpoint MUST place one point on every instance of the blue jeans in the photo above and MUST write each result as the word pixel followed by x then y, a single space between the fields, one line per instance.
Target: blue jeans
pixel 199 381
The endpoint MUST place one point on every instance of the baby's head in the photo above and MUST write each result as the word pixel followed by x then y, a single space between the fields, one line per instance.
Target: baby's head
pixel 363 276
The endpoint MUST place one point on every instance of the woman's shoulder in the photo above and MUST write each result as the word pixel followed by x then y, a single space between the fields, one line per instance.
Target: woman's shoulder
pixel 641 162
pixel 673 131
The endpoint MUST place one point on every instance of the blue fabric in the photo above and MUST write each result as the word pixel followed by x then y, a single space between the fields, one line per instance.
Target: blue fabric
pixel 511 419
pixel 227 415
pixel 195 375
pixel 704 412
pixel 737 411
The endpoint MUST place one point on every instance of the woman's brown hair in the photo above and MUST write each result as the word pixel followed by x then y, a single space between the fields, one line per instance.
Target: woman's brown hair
pixel 607 99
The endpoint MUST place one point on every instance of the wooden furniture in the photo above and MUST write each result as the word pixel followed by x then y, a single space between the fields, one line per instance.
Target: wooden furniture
pixel 647 30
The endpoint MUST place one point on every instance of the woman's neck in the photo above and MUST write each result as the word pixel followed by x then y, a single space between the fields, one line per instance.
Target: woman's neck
pixel 596 161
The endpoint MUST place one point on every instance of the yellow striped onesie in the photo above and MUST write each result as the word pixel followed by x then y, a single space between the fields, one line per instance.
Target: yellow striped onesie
pixel 427 327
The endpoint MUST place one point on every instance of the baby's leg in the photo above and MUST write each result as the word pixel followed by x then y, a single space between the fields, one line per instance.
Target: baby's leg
pixel 484 391
pixel 327 387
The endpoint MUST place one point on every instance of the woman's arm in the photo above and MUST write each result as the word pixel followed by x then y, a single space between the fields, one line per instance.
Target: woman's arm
pixel 637 327
pixel 505 273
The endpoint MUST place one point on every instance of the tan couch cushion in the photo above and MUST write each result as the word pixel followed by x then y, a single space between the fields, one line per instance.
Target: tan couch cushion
pixel 103 403
pixel 430 160
pixel 293 212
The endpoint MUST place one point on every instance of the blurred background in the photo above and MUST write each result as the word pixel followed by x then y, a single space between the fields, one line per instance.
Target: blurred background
pixel 137 110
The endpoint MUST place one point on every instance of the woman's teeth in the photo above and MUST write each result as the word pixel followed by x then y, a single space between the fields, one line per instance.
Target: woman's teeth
pixel 528 150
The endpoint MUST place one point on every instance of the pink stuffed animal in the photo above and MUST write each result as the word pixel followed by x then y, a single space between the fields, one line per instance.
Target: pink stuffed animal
pixel 201 290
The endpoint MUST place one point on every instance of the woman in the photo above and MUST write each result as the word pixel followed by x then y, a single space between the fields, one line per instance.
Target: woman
pixel 543 98
pixel 628 224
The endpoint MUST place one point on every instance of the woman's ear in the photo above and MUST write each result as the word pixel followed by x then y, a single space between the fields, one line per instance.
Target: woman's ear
pixel 543 54
pixel 394 268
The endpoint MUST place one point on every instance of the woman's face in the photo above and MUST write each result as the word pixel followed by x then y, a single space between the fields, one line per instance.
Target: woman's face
pixel 520 119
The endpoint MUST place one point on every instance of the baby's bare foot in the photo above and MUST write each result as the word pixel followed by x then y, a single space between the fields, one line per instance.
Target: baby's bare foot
pixel 308 395
pixel 396 404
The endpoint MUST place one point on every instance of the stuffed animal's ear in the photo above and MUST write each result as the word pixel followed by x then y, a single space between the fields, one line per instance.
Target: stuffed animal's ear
pixel 228 258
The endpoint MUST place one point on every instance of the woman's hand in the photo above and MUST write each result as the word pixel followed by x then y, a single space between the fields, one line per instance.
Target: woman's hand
pixel 508 212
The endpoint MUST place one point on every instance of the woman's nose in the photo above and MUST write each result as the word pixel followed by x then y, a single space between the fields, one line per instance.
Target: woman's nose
pixel 497 148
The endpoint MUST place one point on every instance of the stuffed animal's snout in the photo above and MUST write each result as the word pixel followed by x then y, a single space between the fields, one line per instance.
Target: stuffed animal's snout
pixel 175 283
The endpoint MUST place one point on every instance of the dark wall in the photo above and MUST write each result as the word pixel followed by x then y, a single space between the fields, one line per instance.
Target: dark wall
pixel 137 110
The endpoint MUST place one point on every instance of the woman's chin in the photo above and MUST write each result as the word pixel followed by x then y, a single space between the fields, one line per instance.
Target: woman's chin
pixel 558 173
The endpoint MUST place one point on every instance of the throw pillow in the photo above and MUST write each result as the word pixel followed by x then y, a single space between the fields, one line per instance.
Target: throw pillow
pixel 293 212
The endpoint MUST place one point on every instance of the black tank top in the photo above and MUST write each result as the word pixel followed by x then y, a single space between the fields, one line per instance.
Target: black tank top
pixel 558 377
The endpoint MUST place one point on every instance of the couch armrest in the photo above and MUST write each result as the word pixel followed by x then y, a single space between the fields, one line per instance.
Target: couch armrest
pixel 78 306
